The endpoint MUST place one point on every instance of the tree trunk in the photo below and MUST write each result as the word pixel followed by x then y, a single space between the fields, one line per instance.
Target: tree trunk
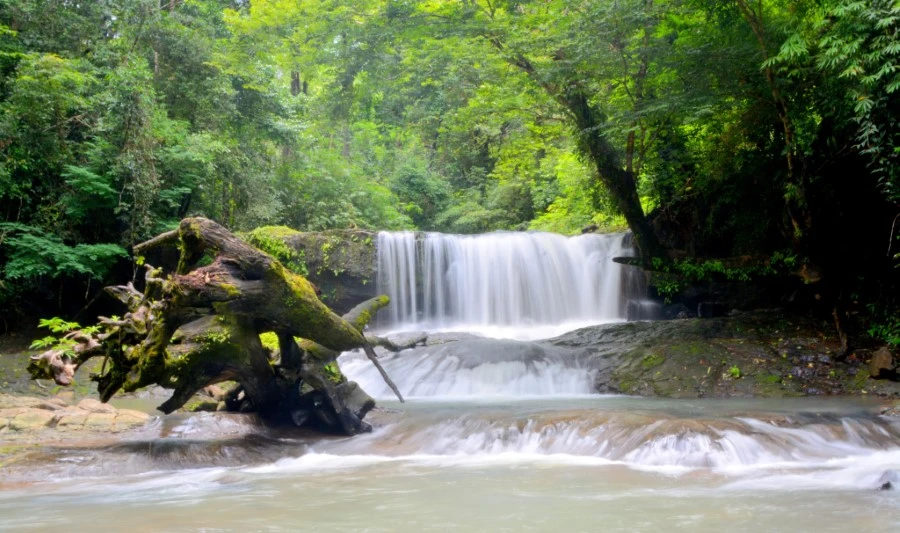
pixel 201 326
pixel 588 122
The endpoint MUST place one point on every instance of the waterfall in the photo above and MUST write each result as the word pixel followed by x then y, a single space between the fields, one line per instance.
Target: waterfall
pixel 501 279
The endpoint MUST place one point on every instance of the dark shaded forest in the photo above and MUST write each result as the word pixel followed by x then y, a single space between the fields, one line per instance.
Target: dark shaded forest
pixel 738 140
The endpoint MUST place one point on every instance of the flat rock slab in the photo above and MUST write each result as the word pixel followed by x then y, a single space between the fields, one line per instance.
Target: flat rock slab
pixel 22 416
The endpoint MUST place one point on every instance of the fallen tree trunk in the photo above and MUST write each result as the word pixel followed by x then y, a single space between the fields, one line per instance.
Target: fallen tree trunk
pixel 201 325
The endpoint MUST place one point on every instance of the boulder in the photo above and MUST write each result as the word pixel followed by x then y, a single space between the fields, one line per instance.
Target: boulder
pixel 356 399
pixel 881 365
pixel 32 420
pixel 95 406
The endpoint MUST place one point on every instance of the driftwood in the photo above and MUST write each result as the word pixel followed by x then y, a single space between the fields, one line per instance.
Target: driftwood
pixel 201 325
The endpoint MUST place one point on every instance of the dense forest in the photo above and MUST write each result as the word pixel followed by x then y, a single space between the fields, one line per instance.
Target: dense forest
pixel 762 130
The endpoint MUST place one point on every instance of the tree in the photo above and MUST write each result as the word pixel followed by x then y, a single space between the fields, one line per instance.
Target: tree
pixel 201 325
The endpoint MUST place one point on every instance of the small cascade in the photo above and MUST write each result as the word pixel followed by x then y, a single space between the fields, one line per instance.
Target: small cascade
pixel 474 368
pixel 501 279
pixel 650 439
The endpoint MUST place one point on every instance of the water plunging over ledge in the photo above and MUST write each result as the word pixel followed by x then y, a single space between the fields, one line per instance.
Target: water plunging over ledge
pixel 508 280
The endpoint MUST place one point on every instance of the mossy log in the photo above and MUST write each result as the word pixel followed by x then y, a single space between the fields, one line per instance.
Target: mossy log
pixel 199 326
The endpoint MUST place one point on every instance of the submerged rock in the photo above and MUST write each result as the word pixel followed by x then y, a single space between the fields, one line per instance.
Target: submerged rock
pixel 889 480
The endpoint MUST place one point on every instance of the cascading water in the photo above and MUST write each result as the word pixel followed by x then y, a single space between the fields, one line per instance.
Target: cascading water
pixel 507 285
pixel 482 453
pixel 501 279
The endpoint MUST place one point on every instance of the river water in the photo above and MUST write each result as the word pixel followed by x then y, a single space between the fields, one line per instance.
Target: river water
pixel 497 435
pixel 577 463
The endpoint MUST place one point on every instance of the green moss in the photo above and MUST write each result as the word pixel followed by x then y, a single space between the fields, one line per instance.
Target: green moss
pixel 230 290
pixel 768 378
pixel 272 240
pixel 651 360
pixel 269 340
pixel 627 385
pixel 334 373
pixel 201 405
pixel 859 381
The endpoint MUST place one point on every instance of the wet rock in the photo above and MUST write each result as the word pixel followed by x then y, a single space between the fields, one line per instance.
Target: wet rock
pixel 100 422
pixel 32 420
pixel 711 309
pixel 95 406
pixel 676 311
pixel 892 410
pixel 802 372
pixel 53 404
pixel 71 419
pixel 202 406
pixel 215 392
pixel 881 365
pixel 643 310
pixel 127 418
pixel 888 480
pixel 356 399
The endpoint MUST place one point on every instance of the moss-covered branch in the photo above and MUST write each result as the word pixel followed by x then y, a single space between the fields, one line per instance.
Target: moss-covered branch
pixel 201 325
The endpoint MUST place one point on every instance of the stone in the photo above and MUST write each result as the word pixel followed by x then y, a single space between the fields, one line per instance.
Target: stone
pixel 215 392
pixel 70 420
pixel 356 399
pixel 12 412
pixel 881 365
pixel 676 311
pixel 96 406
pixel 100 421
pixel 51 406
pixel 127 419
pixel 31 420
pixel 643 310
pixel 888 480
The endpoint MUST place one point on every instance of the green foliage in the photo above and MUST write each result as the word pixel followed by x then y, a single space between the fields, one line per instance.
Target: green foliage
pixel 118 118
pixel 63 344
pixel 734 372
pixel 883 323
pixel 31 254
pixel 271 239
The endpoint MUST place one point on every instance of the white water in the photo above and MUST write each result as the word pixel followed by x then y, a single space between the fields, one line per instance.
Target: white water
pixel 498 435
pixel 588 464
pixel 499 280
pixel 473 369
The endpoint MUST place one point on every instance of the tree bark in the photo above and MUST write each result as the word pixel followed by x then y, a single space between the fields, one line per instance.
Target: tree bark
pixel 200 326
pixel 588 122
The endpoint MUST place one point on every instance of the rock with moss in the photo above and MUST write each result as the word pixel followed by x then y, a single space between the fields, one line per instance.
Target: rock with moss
pixel 340 263
pixel 759 354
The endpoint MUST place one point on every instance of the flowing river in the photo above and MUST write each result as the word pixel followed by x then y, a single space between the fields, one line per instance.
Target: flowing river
pixel 497 435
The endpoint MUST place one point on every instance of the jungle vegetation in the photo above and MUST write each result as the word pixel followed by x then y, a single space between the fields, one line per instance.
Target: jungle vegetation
pixel 760 128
